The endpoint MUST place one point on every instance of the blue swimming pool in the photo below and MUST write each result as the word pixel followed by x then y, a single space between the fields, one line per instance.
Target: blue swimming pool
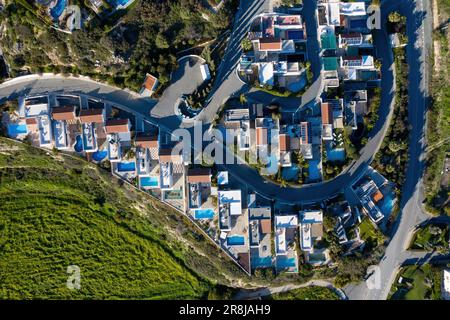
pixel 204 214
pixel 78 147
pixel 126 166
pixel 284 262
pixel 235 240
pixel 149 182
pixel 16 129
pixel 336 155
pixel 57 10
pixel 387 204
pixel 99 155
pixel 258 262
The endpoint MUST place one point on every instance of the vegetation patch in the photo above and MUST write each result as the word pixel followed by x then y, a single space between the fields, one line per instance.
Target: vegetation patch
pixel 431 237
pixel 417 283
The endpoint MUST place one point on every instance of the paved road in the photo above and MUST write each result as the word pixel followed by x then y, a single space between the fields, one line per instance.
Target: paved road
pixel 255 294
pixel 419 34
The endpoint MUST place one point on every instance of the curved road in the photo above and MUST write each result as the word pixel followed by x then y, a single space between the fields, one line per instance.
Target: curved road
pixel 161 113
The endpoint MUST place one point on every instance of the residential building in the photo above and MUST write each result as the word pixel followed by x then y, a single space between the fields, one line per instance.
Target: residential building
pixel 267 140
pixel 311 228
pixel 286 227
pixel 147 158
pixel 149 86
pixel 92 121
pixel 327 120
pixel 198 186
pixel 370 195
pixel 171 167
pixel 61 116
pixel 230 204
pixel 285 150
pixel 239 120
pixel 260 228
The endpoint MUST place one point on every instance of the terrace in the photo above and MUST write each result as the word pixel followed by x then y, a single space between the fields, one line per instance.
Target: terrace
pixel 60 134
pixel 89 137
pixel 45 132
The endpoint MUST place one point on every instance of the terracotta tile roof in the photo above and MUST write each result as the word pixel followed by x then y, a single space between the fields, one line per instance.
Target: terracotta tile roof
pixel 269 44
pixel 261 136
pixel 91 116
pixel 284 142
pixel 165 155
pixel 147 141
pixel 327 113
pixel 199 175
pixel 31 121
pixel 150 82
pixel 266 225
pixel 377 196
pixel 117 126
pixel 63 113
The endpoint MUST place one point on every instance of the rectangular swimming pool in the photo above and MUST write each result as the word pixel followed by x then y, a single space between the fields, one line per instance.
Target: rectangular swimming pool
pixel 126 166
pixel 235 240
pixel 149 182
pixel 284 263
pixel 16 129
pixel 204 214
pixel 258 262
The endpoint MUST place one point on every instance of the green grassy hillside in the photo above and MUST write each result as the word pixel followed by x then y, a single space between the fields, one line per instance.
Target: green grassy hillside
pixel 58 210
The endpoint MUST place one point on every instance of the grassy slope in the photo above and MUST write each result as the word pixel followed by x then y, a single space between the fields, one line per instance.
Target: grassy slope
pixel 57 211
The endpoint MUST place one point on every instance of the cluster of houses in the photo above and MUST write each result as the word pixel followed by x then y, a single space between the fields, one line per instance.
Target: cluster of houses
pixel 348 63
pixel 278 52
pixel 262 134
pixel 246 229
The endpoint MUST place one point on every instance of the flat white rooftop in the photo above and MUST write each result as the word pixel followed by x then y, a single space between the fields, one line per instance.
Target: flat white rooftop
pixel 233 199
pixel 353 8
pixel 290 221
pixel 311 216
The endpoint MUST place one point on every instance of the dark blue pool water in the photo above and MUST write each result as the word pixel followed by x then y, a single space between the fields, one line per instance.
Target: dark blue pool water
pixel 57 10
pixel 284 263
pixel 78 147
pixel 126 166
pixel 99 155
pixel 204 214
pixel 336 155
pixel 149 181
pixel 235 240
pixel 16 129
pixel 258 262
